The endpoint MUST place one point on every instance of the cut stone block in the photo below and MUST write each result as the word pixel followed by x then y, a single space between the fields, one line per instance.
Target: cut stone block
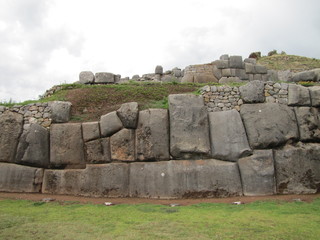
pixel 189 130
pixel 261 69
pixel 152 135
pixel 257 173
pixel 249 68
pixel 17 178
pixel 128 114
pixel 269 124
pixel 225 80
pixel 110 124
pixel 315 96
pixel 98 151
pixel 86 77
pixel 104 77
pixel 304 76
pixel 298 95
pixel 253 92
pixel 123 145
pixel 309 123
pixel 228 137
pixel 221 64
pixel 60 111
pixel 228 72
pixel 90 131
pixel 235 62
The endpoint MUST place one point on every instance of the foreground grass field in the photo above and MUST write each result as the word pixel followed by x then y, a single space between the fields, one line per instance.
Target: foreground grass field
pixel 259 220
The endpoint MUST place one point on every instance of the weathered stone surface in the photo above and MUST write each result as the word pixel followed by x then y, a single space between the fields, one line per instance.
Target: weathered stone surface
pixel 185 179
pixel 252 92
pixel 241 73
pixel 308 122
pixel 225 80
pixel 110 124
pixel 224 57
pixel 152 135
pixel 11 125
pixel 128 114
pixel 60 111
pixel 189 131
pixel 217 72
pixel 317 73
pixel 86 77
pixel 177 72
pixel 285 76
pixel 228 72
pixel 222 64
pixel 257 173
pixel 269 124
pixel 158 70
pixel 298 95
pixel 257 77
pixel 33 148
pixel 169 78
pixel 90 131
pixel 273 75
pixel 298 169
pixel 304 76
pixel 249 68
pixel 260 69
pixel 204 78
pixel 17 178
pixel 104 77
pixel 235 62
pixel 228 137
pixel 98 180
pixel 123 145
pixel 315 96
pixel 187 78
pixel 66 145
pixel 98 151
pixel 250 60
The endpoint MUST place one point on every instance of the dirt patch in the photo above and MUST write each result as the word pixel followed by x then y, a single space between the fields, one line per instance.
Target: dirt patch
pixel 182 202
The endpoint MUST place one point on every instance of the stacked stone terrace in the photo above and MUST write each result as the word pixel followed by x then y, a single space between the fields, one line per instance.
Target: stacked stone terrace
pixel 186 151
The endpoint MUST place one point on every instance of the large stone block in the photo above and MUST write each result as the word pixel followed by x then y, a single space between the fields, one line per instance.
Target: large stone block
pixel 33 148
pixel 86 77
pixel 104 77
pixel 250 60
pixel 17 178
pixel 11 125
pixel 228 72
pixel 66 145
pixel 110 124
pixel 226 80
pixel 189 130
pixel 158 70
pixel 269 124
pixel 253 92
pixel 123 145
pixel 315 96
pixel 98 151
pixel 221 64
pixel 204 78
pixel 309 123
pixel 185 179
pixel 260 69
pixel 98 180
pixel 298 95
pixel 188 78
pixel 235 62
pixel 257 173
pixel 298 169
pixel 60 111
pixel 90 131
pixel 228 137
pixel 304 76
pixel 128 114
pixel 152 135
pixel 217 72
pixel 241 73
pixel 249 68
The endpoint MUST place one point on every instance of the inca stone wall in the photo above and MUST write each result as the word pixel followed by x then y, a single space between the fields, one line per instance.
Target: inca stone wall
pixel 186 151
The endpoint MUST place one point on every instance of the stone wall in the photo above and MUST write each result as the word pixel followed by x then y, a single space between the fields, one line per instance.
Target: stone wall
pixel 263 149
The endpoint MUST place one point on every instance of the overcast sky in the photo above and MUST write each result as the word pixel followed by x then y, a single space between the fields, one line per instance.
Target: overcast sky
pixel 49 42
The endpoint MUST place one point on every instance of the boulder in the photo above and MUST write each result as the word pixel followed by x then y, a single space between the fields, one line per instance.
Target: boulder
pixel 317 73
pixel 189 130
pixel 252 92
pixel 235 62
pixel 177 72
pixel 86 77
pixel 298 95
pixel 152 135
pixel 90 131
pixel 128 114
pixel 66 145
pixel 226 80
pixel 98 151
pixel 257 173
pixel 158 70
pixel 11 125
pixel 135 77
pixel 102 180
pixel 308 123
pixel 110 124
pixel 298 169
pixel 104 77
pixel 185 179
pixel 123 145
pixel 269 124
pixel 33 148
pixel 304 76
pixel 17 178
pixel 228 137
pixel 315 96
pixel 60 111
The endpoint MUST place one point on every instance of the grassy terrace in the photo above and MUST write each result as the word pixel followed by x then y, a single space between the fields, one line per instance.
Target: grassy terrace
pixel 22 219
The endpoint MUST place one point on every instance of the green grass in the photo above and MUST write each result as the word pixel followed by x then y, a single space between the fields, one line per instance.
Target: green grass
pixel 260 220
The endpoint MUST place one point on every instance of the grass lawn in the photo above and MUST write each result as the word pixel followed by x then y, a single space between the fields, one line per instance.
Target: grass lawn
pixel 22 219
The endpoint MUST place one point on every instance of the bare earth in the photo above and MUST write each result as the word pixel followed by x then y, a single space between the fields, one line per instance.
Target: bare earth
pixel 183 202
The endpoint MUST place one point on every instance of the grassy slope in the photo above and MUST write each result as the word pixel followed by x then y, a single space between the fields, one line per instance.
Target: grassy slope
pixel 259 220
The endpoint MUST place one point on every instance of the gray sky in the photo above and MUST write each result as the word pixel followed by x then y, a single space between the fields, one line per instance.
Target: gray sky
pixel 49 42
